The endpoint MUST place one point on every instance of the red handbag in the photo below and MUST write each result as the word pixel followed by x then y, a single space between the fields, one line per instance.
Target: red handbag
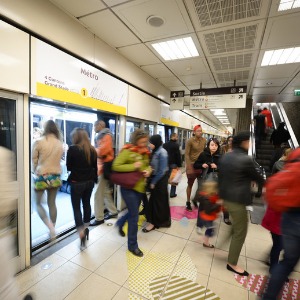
pixel 126 180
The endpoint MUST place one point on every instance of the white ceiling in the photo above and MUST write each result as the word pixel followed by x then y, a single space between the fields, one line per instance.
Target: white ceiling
pixel 230 35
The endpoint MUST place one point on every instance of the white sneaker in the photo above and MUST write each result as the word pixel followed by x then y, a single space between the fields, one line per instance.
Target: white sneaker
pixel 199 230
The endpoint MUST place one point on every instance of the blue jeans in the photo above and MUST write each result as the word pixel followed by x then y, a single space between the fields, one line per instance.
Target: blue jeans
pixel 133 201
pixel 209 225
pixel 275 251
pixel 81 191
pixel 291 244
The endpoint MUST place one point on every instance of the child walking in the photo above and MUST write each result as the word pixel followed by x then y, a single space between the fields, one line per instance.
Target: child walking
pixel 209 207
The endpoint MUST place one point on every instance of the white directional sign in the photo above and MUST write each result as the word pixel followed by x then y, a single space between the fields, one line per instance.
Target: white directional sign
pixel 176 100
pixel 229 97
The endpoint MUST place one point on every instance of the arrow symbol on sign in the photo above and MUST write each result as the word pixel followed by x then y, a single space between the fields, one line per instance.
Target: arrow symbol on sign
pixel 240 96
pixel 174 94
pixel 174 100
pixel 241 90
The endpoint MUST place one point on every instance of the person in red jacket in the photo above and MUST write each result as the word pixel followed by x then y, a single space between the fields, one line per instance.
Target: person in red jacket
pixel 272 221
pixel 209 207
pixel 268 115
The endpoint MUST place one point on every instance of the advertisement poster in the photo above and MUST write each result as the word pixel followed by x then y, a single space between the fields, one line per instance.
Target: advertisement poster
pixel 60 76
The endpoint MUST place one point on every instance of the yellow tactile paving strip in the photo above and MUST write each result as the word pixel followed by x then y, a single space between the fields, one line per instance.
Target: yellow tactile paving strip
pixel 157 278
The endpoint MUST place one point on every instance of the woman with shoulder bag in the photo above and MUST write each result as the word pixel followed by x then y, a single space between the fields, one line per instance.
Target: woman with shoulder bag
pixel 46 155
pixel 158 212
pixel 82 163
pixel 133 157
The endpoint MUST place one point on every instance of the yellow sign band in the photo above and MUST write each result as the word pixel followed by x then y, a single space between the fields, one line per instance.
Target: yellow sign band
pixel 51 92
pixel 169 122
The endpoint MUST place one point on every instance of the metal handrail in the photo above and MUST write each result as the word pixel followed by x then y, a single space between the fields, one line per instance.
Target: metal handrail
pixel 284 118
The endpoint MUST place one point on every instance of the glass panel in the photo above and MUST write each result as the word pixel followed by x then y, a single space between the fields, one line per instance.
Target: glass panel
pixel 67 120
pixel 149 128
pixel 161 132
pixel 131 126
pixel 8 139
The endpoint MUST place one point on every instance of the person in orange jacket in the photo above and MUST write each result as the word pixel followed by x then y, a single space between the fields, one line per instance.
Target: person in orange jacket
pixel 103 195
pixel 209 207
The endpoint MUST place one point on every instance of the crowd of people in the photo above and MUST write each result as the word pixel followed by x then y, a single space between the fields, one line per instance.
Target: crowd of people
pixel 223 173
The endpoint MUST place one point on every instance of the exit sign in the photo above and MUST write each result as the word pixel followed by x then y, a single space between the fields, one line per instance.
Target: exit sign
pixel 297 92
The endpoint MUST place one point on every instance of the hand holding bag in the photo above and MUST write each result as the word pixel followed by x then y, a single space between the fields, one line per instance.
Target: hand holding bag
pixel 126 180
pixel 175 176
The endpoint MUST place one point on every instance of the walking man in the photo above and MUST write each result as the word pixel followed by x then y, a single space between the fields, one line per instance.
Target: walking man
pixel 174 158
pixel 194 147
pixel 103 195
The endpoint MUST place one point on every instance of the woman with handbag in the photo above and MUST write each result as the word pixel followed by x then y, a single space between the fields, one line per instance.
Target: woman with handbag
pixel 46 155
pixel 82 164
pixel 158 213
pixel 133 157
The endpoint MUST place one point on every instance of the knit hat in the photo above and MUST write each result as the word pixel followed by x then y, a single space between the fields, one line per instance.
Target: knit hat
pixel 241 137
pixel 197 127
pixel 156 140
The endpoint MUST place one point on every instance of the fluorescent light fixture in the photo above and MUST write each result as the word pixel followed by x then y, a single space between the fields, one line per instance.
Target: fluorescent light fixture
pixel 281 56
pixel 288 4
pixel 176 49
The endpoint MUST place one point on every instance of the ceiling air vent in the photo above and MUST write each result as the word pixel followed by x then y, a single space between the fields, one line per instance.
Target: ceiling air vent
pixel 155 21
pixel 238 83
pixel 231 76
pixel 235 39
pixel 212 12
pixel 240 61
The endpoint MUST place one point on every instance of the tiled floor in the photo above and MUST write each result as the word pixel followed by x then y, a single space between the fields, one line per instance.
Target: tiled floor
pixel 105 270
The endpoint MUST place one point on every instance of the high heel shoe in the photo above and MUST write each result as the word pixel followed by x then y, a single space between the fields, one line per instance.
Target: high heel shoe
pixel 87 233
pixel 82 243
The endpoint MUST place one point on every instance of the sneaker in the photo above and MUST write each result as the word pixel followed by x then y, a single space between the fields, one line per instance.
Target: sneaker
pixel 199 230
pixel 188 206
pixel 110 216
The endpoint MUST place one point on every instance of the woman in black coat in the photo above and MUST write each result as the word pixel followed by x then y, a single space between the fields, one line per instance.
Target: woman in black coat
pixel 208 161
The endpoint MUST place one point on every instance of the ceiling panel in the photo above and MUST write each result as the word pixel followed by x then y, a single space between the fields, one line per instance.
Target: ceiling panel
pixel 279 71
pixel 266 90
pixel 231 76
pixel 115 2
pixel 139 54
pixel 279 33
pixel 187 66
pixel 170 81
pixel 172 12
pixel 273 82
pixel 157 71
pixel 238 61
pixel 220 11
pixel 79 8
pixel 110 29
pixel 204 86
pixel 196 79
pixel 238 83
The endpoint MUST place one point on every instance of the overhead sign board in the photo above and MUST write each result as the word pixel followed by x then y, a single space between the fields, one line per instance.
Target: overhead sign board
pixel 227 97
pixel 176 100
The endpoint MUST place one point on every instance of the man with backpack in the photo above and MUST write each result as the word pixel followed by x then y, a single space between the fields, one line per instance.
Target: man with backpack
pixel 105 154
pixel 283 195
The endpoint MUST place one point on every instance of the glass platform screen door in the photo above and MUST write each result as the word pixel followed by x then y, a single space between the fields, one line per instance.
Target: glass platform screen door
pixel 11 137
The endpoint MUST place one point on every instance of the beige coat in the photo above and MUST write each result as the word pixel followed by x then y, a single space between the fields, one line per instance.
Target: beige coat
pixel 46 155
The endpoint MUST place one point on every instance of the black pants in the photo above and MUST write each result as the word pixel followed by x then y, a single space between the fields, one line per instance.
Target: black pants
pixel 275 251
pixel 81 191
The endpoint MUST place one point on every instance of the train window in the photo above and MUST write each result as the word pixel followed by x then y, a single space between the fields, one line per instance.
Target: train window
pixel 161 132
pixel 66 120
pixel 149 128
pixel 131 126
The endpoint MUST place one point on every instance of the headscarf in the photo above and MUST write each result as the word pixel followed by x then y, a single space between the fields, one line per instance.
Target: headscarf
pixel 156 141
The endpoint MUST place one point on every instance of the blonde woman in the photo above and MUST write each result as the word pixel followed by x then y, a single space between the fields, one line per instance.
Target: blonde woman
pixel 46 155
pixel 82 163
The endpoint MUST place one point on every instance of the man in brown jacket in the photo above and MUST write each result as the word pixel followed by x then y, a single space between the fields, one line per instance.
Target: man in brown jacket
pixel 193 148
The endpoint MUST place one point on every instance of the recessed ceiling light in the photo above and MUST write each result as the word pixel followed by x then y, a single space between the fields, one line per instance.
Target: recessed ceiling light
pixel 281 56
pixel 269 83
pixel 288 4
pixel 176 49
